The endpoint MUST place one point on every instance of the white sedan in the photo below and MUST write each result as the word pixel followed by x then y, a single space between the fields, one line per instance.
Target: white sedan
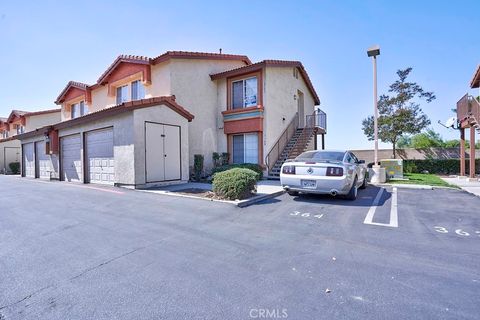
pixel 324 172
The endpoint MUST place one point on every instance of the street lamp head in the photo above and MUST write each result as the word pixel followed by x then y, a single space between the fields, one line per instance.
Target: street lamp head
pixel 373 51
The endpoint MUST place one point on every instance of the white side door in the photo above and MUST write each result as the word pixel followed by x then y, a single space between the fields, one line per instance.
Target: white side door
pixel 42 161
pixel 70 148
pixel 100 161
pixel 172 152
pixel 29 160
pixel 154 155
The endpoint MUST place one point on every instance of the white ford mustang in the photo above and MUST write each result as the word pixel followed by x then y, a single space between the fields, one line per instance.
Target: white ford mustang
pixel 324 172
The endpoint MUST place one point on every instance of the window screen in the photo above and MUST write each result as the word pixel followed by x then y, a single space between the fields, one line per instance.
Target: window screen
pixel 250 92
pixel 237 94
pixel 122 94
pixel 138 90
pixel 238 149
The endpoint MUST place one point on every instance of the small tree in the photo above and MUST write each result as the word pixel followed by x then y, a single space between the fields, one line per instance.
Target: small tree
pixel 399 113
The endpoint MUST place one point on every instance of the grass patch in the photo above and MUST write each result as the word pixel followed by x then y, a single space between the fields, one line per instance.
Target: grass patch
pixel 423 179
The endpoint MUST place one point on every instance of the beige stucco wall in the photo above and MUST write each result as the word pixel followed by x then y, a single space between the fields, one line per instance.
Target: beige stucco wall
pixel 164 115
pixel 194 90
pixel 13 154
pixel 101 99
pixel 41 120
pixel 280 86
pixel 161 77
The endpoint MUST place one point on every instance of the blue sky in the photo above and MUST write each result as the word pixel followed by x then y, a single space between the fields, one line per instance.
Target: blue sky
pixel 44 44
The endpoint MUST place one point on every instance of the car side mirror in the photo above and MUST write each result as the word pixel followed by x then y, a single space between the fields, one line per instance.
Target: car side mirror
pixel 361 161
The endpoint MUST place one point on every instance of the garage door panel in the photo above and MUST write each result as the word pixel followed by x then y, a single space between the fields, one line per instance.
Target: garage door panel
pixel 71 158
pixel 100 158
pixel 43 163
pixel 29 160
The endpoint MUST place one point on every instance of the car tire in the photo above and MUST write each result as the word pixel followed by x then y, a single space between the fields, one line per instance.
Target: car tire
pixel 352 194
pixel 293 193
pixel 364 184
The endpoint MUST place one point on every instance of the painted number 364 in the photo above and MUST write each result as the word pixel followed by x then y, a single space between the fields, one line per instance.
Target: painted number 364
pixel 460 232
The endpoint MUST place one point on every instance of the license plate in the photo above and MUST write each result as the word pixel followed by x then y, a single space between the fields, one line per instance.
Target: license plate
pixel 309 184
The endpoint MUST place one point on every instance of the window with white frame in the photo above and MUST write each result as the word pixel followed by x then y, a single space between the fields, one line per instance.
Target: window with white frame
pixel 20 129
pixel 78 109
pixel 138 90
pixel 244 93
pixel 130 92
pixel 4 134
pixel 122 94
pixel 245 148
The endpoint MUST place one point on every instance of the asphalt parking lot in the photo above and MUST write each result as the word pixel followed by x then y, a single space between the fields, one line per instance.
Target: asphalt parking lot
pixel 87 252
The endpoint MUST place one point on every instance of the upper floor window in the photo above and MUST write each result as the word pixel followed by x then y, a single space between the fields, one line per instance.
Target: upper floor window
pixel 5 134
pixel 138 90
pixel 122 94
pixel 244 93
pixel 78 109
pixel 129 92
pixel 20 129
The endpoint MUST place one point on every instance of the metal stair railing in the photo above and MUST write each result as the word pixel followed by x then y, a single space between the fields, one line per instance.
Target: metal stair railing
pixel 304 138
pixel 282 141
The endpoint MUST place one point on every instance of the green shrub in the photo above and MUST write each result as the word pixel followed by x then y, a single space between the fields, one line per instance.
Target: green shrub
pixel 236 183
pixel 216 157
pixel 437 166
pixel 225 158
pixel 14 167
pixel 198 166
pixel 252 166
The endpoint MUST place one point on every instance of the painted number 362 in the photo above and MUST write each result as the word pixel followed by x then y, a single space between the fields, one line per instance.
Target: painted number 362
pixel 460 232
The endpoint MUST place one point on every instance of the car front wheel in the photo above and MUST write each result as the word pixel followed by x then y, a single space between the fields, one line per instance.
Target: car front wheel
pixel 352 194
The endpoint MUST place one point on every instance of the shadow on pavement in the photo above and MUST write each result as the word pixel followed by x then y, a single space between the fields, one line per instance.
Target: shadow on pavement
pixel 365 198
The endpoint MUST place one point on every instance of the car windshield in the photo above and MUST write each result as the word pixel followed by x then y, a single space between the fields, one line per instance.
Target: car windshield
pixel 321 155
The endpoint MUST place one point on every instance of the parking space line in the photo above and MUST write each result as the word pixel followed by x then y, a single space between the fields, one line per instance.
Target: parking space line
pixel 393 210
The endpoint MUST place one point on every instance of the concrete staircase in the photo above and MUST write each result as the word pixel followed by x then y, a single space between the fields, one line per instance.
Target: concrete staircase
pixel 297 145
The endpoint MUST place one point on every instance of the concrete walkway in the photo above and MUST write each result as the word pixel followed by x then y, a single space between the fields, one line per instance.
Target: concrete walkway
pixel 464 183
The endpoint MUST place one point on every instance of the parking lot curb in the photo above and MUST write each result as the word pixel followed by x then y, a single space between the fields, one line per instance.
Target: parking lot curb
pixel 415 186
pixel 248 202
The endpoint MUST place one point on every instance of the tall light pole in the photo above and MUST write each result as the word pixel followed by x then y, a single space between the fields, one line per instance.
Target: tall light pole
pixel 377 175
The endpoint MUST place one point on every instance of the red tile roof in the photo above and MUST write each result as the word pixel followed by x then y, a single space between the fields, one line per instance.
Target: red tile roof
pixel 71 84
pixel 269 63
pixel 16 113
pixel 199 55
pixel 475 83
pixel 168 101
pixel 37 113
pixel 120 59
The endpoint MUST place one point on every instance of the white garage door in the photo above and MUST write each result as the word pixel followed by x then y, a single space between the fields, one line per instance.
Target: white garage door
pixel 70 147
pixel 28 160
pixel 162 152
pixel 99 156
pixel 43 163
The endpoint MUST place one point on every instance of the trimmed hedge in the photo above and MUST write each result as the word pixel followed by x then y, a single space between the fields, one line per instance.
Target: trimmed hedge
pixel 255 167
pixel 14 167
pixel 437 166
pixel 236 183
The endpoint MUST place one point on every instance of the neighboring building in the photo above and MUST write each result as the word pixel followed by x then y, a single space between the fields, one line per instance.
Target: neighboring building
pixel 134 125
pixel 468 115
pixel 19 122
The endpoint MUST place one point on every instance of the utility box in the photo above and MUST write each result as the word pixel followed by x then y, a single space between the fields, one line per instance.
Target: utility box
pixel 393 168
